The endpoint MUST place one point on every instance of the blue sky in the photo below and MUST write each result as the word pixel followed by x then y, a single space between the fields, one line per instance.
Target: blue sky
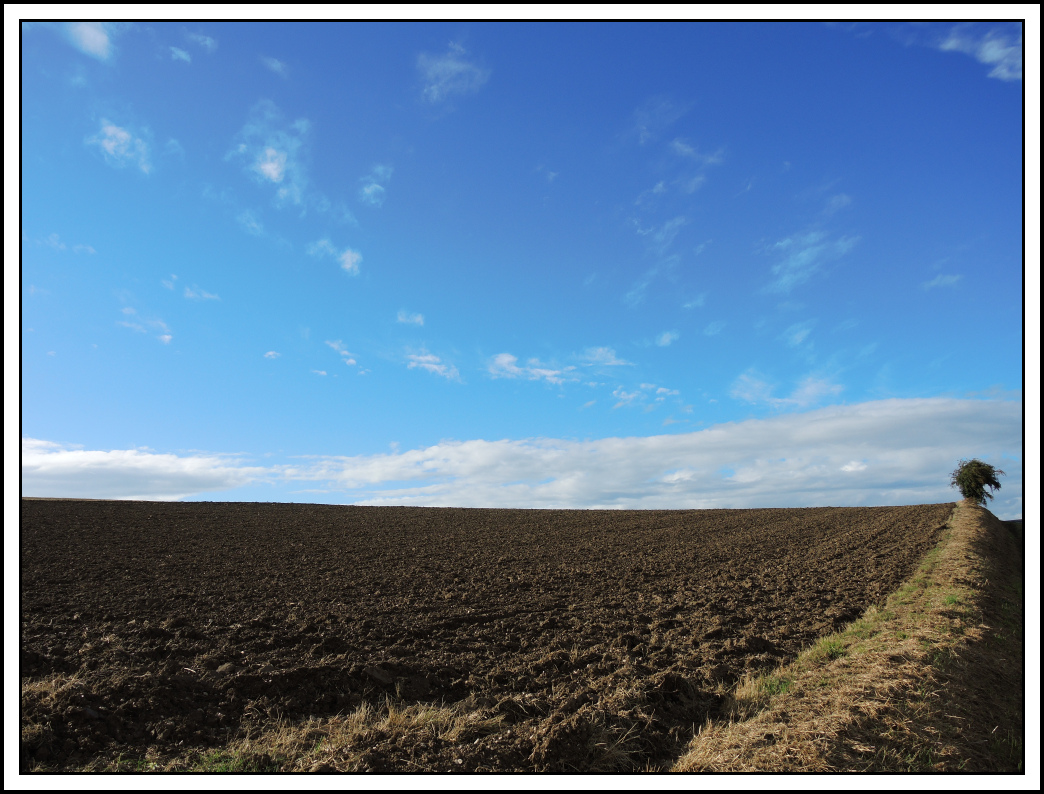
pixel 529 265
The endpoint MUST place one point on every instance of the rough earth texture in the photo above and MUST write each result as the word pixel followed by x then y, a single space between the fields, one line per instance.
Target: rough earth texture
pixel 184 625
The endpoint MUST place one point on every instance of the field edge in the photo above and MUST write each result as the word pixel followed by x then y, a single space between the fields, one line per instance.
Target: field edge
pixel 930 682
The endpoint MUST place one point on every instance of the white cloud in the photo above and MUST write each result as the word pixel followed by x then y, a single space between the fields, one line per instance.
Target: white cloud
pixel 350 261
pixel 348 258
pixel 120 147
pixel 906 448
pixel 803 256
pixel 50 469
pixel 274 152
pixel 887 452
pixel 163 331
pixel 625 397
pixel 664 339
pixel 271 354
pixel 410 319
pixel 646 392
pixel 346 356
pixel 714 328
pixel 996 48
pixel 505 365
pixel 432 363
pixel 180 55
pixel 449 74
pixel 942 281
pixel 271 164
pixel 275 65
pixel 90 38
pixel 320 372
pixel 809 392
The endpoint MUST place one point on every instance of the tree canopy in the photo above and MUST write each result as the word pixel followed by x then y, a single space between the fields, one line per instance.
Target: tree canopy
pixel 973 477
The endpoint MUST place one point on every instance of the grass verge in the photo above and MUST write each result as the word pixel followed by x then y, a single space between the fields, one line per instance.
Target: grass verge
pixel 930 682
pixel 344 743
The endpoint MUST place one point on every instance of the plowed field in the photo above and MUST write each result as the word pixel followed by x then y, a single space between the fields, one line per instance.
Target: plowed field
pixel 581 639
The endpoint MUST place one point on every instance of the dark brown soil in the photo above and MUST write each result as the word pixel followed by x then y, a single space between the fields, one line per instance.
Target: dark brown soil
pixel 187 624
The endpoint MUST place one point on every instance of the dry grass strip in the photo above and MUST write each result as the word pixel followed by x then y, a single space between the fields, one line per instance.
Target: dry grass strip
pixel 931 682
pixel 339 744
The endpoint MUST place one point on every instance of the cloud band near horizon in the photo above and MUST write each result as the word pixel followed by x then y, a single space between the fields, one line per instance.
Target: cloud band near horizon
pixel 896 451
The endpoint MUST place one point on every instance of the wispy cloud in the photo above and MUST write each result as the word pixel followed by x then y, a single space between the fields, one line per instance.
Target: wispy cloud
pixel 797 333
pixel 373 185
pixel 347 357
pixel 505 365
pixel 942 281
pixel 348 258
pixel 143 326
pixel 432 363
pixel 601 357
pixel 206 42
pixel 449 74
pixel 271 354
pixel 178 54
pixel 273 152
pixel 54 240
pixel 120 147
pixel 696 302
pixel 836 203
pixel 648 395
pixel 655 116
pixel 409 318
pixel 664 339
pixel 803 256
pixel 683 149
pixel 888 452
pixel 811 391
pixel 660 238
pixel 714 328
pixel 195 293
pixel 998 48
pixel 275 65
pixel 625 397
pixel 91 38
pixel 249 222
pixel 658 241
